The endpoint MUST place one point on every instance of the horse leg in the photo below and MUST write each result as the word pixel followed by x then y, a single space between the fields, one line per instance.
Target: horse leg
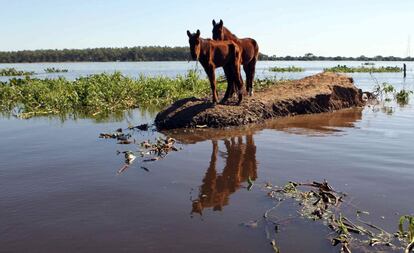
pixel 230 84
pixel 250 69
pixel 212 78
pixel 238 81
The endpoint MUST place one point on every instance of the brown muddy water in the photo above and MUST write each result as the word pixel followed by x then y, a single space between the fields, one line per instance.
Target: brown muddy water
pixel 60 191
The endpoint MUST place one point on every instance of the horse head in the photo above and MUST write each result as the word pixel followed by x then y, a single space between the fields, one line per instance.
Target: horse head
pixel 218 31
pixel 195 44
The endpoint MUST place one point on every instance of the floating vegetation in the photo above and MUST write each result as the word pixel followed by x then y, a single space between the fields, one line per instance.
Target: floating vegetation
pixel 346 69
pixel 318 201
pixel 101 93
pixel 147 150
pixel 15 72
pixel 55 70
pixel 287 69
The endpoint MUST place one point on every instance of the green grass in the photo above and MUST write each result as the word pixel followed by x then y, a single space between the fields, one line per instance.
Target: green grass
pixel 287 69
pixel 14 72
pixel 101 93
pixel 362 69
pixel 55 70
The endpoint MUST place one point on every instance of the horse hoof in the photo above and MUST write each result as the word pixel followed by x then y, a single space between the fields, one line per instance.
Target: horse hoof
pixel 251 93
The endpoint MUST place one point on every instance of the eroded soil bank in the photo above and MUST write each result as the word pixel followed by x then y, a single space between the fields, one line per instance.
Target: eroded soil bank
pixel 323 92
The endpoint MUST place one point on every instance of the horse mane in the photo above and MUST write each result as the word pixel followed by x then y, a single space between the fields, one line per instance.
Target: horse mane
pixel 230 34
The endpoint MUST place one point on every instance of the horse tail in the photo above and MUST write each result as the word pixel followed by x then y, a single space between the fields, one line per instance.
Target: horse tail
pixel 237 53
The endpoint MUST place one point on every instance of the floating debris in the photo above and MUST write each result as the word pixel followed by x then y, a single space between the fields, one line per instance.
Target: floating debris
pixel 150 151
pixel 319 201
pixel 129 157
pixel 274 246
pixel 153 159
pixel 251 224
pixel 108 136
pixel 250 183
pixel 145 168
pixel 142 127
pixel 122 169
pixel 116 135
pixel 160 148
pixel 125 142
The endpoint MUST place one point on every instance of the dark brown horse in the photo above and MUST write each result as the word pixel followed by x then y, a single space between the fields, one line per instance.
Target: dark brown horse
pixel 214 54
pixel 249 47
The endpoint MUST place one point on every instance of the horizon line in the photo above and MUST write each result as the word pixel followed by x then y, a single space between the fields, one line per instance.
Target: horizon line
pixel 175 46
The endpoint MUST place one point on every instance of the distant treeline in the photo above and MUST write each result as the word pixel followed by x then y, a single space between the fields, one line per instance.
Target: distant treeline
pixel 151 53
pixel 98 54
pixel 311 57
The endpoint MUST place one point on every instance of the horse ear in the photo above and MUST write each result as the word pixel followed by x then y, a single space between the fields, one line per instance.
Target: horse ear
pixel 221 22
pixel 214 22
pixel 198 33
pixel 188 33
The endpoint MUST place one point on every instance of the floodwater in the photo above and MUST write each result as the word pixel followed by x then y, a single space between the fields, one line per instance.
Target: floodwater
pixel 172 69
pixel 60 191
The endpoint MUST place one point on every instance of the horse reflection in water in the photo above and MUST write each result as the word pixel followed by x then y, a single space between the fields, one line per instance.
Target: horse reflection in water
pixel 239 166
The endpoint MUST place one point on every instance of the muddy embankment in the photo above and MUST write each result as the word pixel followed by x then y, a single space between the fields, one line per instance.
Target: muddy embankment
pixel 323 92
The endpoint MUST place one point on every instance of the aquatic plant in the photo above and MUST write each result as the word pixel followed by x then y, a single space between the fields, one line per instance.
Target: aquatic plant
pixel 100 93
pixel 15 72
pixel 382 91
pixel 55 70
pixel 408 233
pixel 346 69
pixel 403 96
pixel 96 93
pixel 287 69
pixel 319 201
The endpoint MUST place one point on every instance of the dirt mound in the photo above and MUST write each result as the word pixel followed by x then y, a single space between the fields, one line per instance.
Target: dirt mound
pixel 323 92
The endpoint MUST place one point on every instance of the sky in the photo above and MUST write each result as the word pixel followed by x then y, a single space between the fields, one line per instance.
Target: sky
pixel 288 27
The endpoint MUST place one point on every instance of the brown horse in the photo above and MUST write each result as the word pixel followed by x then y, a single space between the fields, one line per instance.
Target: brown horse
pixel 214 54
pixel 249 47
